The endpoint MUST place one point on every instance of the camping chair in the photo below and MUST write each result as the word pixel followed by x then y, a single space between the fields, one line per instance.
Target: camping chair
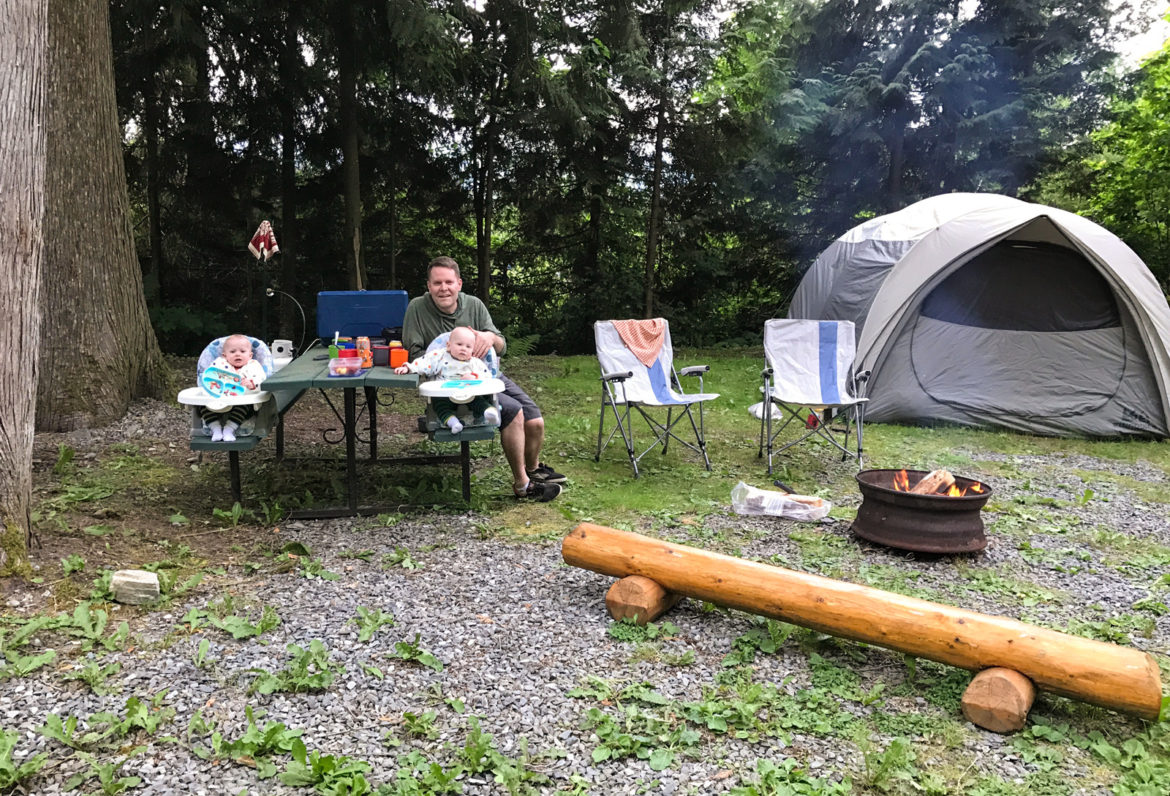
pixel 637 371
pixel 809 378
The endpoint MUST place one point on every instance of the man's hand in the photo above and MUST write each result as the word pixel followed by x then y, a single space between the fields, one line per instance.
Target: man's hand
pixel 483 341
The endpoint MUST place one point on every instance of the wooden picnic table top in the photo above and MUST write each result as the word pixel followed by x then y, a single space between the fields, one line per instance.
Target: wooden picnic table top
pixel 307 371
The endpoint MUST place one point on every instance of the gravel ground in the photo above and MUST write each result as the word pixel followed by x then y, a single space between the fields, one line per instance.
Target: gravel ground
pixel 516 630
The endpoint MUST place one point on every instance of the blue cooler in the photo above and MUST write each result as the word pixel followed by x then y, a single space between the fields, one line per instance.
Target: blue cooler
pixel 359 313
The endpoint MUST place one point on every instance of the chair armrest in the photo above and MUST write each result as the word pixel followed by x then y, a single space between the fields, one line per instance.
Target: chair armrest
pixel 765 373
pixel 617 376
pixel 694 370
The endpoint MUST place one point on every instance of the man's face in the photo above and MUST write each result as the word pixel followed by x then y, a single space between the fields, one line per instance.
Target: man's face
pixel 460 343
pixel 237 352
pixel 444 287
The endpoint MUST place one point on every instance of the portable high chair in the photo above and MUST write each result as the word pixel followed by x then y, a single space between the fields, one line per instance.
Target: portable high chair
pixel 459 392
pixel 809 377
pixel 637 372
pixel 196 397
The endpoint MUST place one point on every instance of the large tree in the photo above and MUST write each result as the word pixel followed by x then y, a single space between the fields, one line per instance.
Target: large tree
pixel 23 32
pixel 98 335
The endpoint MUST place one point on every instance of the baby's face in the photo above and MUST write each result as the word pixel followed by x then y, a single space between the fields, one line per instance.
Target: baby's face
pixel 460 343
pixel 238 352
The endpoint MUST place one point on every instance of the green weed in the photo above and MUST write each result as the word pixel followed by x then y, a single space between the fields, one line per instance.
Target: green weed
pixel 411 651
pixel 310 669
pixel 13 775
pixel 369 622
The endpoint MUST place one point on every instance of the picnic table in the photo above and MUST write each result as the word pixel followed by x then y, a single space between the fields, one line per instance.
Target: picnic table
pixel 311 371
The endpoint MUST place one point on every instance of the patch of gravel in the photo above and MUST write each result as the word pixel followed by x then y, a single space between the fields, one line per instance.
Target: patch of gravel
pixel 516 630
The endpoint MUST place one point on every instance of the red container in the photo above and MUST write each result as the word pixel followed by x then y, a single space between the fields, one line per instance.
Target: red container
pixel 349 352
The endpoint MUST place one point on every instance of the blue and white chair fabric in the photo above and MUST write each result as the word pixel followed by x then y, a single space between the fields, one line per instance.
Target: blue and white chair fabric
pixel 810 379
pixel 196 397
pixel 629 384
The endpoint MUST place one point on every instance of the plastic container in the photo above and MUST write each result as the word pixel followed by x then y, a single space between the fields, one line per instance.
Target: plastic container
pixel 398 357
pixel 750 500
pixel 381 355
pixel 345 366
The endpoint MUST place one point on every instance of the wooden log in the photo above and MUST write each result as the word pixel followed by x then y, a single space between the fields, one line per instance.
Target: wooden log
pixel 638 598
pixel 932 482
pixel 1093 671
pixel 998 699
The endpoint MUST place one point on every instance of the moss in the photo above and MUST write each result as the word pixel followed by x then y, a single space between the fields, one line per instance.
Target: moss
pixel 14 551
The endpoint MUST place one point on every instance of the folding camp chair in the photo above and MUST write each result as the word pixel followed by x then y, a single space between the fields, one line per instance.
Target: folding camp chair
pixel 637 371
pixel 809 377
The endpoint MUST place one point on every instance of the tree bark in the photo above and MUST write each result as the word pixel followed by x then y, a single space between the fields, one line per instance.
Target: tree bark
pixel 23 75
pixel 653 231
pixel 350 170
pixel 289 62
pixel 98 334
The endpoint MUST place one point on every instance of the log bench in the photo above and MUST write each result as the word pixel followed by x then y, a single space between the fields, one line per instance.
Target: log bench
pixel 269 417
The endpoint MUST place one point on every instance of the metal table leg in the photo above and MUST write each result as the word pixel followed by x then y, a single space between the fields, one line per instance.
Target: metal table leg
pixel 372 408
pixel 351 447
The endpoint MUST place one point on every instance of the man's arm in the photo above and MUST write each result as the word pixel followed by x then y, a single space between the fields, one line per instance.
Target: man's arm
pixel 412 334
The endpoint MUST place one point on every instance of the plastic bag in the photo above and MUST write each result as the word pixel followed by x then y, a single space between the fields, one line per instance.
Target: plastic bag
pixel 749 500
pixel 757 411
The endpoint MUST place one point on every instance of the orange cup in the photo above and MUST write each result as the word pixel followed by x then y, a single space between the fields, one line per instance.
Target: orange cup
pixel 398 357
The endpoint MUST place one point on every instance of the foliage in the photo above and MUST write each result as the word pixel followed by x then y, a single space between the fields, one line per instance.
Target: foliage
pixel 11 773
pixel 310 669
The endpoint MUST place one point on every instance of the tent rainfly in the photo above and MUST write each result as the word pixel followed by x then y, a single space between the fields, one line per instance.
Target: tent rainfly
pixel 984 310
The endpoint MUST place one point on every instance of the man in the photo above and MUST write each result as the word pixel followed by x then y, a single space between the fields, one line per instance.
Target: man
pixel 441 309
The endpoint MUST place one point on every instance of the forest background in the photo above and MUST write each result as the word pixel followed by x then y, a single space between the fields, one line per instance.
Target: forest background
pixel 586 159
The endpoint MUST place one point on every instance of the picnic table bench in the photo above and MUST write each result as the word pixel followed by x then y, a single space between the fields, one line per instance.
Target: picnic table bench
pixel 309 371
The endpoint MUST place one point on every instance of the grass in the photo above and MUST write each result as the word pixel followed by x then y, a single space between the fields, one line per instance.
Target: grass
pixel 897 720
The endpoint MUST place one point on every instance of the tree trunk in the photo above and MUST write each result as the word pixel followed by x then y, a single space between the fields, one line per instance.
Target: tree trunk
pixel 152 281
pixel 653 232
pixel 99 338
pixel 484 209
pixel 23 77
pixel 289 61
pixel 351 171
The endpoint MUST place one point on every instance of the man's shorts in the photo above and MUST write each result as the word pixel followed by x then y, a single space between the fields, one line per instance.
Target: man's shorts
pixel 512 400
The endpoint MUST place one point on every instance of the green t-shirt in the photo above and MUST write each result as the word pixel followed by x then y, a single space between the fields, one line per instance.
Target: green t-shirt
pixel 424 321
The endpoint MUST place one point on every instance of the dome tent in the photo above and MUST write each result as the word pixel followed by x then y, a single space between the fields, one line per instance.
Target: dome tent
pixel 985 310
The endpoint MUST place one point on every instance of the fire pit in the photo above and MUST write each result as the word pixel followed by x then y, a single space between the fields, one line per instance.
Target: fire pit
pixel 927 523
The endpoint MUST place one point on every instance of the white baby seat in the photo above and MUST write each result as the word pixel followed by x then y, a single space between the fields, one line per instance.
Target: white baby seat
pixel 196 397
pixel 460 391
pixel 628 381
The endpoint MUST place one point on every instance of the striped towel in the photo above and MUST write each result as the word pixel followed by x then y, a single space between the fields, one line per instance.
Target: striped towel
pixel 643 338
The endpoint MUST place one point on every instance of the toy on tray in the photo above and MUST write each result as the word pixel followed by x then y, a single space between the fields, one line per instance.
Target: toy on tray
pixel 221 383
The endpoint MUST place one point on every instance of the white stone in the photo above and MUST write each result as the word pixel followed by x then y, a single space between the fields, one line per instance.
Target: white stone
pixel 134 586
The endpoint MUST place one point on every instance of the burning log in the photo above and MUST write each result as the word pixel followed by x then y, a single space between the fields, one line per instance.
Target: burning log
pixel 934 481
pixel 1093 671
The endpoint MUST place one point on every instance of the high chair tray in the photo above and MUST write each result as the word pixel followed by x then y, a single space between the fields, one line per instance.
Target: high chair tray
pixel 460 390
pixel 197 396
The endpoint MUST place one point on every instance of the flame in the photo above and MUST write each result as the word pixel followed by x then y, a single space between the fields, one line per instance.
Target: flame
pixel 977 487
pixel 954 491
pixel 902 481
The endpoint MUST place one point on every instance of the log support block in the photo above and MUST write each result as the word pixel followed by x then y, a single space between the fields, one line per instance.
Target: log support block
pixel 998 699
pixel 638 598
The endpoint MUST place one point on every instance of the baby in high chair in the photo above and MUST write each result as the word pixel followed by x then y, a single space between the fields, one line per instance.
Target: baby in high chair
pixel 236 358
pixel 455 362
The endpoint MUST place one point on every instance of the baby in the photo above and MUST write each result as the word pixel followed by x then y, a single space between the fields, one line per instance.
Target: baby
pixel 455 362
pixel 236 358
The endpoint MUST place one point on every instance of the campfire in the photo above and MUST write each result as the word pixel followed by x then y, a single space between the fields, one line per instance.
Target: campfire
pixel 936 482
pixel 928 512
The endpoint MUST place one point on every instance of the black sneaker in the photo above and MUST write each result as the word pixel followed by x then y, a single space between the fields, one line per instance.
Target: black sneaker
pixel 541 493
pixel 546 475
